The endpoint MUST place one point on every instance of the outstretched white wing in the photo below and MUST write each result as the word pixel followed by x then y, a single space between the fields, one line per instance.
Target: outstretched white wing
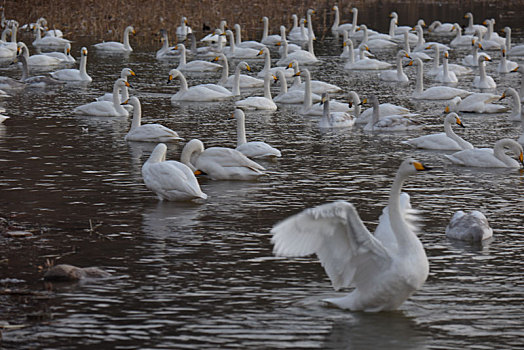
pixel 349 253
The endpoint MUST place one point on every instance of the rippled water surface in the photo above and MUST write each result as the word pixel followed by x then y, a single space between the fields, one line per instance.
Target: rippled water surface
pixel 202 275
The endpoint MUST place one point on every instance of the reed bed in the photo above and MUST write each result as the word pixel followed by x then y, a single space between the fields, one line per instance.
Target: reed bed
pixel 106 20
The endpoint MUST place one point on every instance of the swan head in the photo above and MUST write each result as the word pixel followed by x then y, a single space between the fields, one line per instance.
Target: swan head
pixel 311 12
pixel 335 8
pixel 244 65
pixel 411 166
pixel 483 57
pixel 393 15
pixel 131 30
pixel 404 53
pixel 83 51
pixel 468 15
pixel 133 101
pixel 122 82
pixel 126 72
pixel 173 73
pixel 453 103
pixel 238 114
pixel 513 146
pixel 263 51
pixel 509 92
pixel 454 118
pixel 181 47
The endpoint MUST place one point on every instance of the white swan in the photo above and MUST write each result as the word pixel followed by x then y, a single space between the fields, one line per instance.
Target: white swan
pixel 124 92
pixel 517 50
pixel 36 60
pixel 392 122
pixel 489 44
pixel 220 163
pixel 365 62
pixel 376 42
pixel 396 75
pixel 48 41
pixel 250 43
pixel 147 132
pixel 439 28
pixel 472 226
pixel 418 54
pixel 290 47
pixel 447 140
pixel 434 92
pixel 437 69
pixel 259 102
pixel 337 27
pixel 491 35
pixel 106 108
pixel 402 37
pixel 245 81
pixel 422 44
pixel 196 93
pixel 385 109
pixel 516 108
pixel 472 59
pixel 251 149
pixel 446 75
pixel 348 50
pixel 473 28
pixel 505 65
pixel 114 46
pixel 332 120
pixel 3 118
pixel 385 268
pixel 461 40
pixel 298 35
pixel 478 102
pixel 238 52
pixel 64 57
pixel 317 86
pixel 71 74
pixel 266 38
pixel 183 30
pixel 170 180
pixel 294 96
pixel 267 66
pixel 483 81
pixel 36 80
pixel 301 56
pixel 308 108
pixel 196 65
pixel 490 157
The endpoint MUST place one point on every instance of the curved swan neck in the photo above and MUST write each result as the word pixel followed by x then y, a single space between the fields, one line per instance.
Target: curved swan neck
pixel 482 70
pixel 420 35
pixel 310 40
pixel 353 96
pixel 116 97
pixel 451 134
pixel 500 153
pixel 445 67
pixel 437 56
pixel 283 82
pixel 376 112
pixel 516 107
pixel 193 147
pixel 392 26
pixel 137 113
pixel 158 155
pixel 83 65
pixel 183 82
pixel 507 30
pixel 25 68
pixel 406 43
pixel 349 45
pixel 267 60
pixel 336 23
pixel 232 45
pixel 241 128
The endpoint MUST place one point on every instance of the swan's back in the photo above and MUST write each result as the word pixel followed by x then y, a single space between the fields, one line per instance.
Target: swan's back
pixel 472 226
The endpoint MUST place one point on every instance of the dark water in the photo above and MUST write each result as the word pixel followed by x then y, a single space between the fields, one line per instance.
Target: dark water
pixel 203 276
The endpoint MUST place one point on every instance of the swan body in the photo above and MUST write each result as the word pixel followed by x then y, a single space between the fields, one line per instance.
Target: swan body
pixel 461 40
pixel 437 69
pixel 490 157
pixel 196 65
pixel 398 74
pixel 479 102
pixel 301 56
pixel 239 52
pixel 166 51
pixel 375 42
pixel 266 38
pixel 8 83
pixel 472 226
pixel 114 46
pixel 483 81
pixel 147 132
pixel 317 86
pixel 422 44
pixel 294 96
pixel 249 44
pixel 332 120
pixel 36 60
pixel 64 57
pixel 447 140
pixel 71 74
pixel 366 63
pixel 385 109
pixel 124 92
pixel 308 108
pixel 106 108
pixel 170 180
pixel 196 93
pixel 183 30
pixel 259 102
pixel 516 108
pixel 439 28
pixel 48 41
pixel 446 75
pixel 384 269
pixel 473 28
pixel 220 163
pixel 505 65
pixel 392 122
pixel 252 149
pixel 434 92
pixel 244 81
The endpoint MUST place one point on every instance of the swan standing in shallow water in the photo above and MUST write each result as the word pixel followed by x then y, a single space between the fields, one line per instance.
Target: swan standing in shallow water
pixel 106 108
pixel 114 46
pixel 447 140
pixel 170 180
pixel 490 157
pixel 71 74
pixel 220 163
pixel 516 108
pixel 332 120
pixel 472 226
pixel 147 132
pixel 385 268
pixel 251 149
pixel 259 102
pixel 434 92
pixel 196 93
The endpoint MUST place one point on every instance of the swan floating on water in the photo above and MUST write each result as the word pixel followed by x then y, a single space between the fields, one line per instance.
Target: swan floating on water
pixel 479 102
pixel 106 108
pixel 332 120
pixel 196 93
pixel 384 269
pixel 114 46
pixel 170 180
pixel 251 149
pixel 259 102
pixel 472 226
pixel 71 74
pixel 516 107
pixel 490 157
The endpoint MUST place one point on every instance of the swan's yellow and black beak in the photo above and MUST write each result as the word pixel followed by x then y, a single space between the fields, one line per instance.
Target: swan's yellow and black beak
pixel 248 67
pixel 363 102
pixel 125 102
pixel 410 63
pixel 521 158
pixel 420 167
pixel 133 32
pixel 323 100
pixel 503 96
pixel 279 43
pixel 275 78
pixel 132 72
pixel 290 65
pixel 170 78
pixel 516 69
pixel 68 50
pixel 459 122
pixel 127 84
pixel 261 52
pixel 447 109
pixel 215 59
pixel 199 173
pixel 297 74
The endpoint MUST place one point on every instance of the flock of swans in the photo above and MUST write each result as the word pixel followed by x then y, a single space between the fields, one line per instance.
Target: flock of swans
pixel 384 267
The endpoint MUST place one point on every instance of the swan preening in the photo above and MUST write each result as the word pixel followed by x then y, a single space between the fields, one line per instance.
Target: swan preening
pixel 384 268
pixel 471 226
pixel 170 180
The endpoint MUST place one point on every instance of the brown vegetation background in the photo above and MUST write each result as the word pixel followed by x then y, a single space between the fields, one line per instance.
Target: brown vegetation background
pixel 106 19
